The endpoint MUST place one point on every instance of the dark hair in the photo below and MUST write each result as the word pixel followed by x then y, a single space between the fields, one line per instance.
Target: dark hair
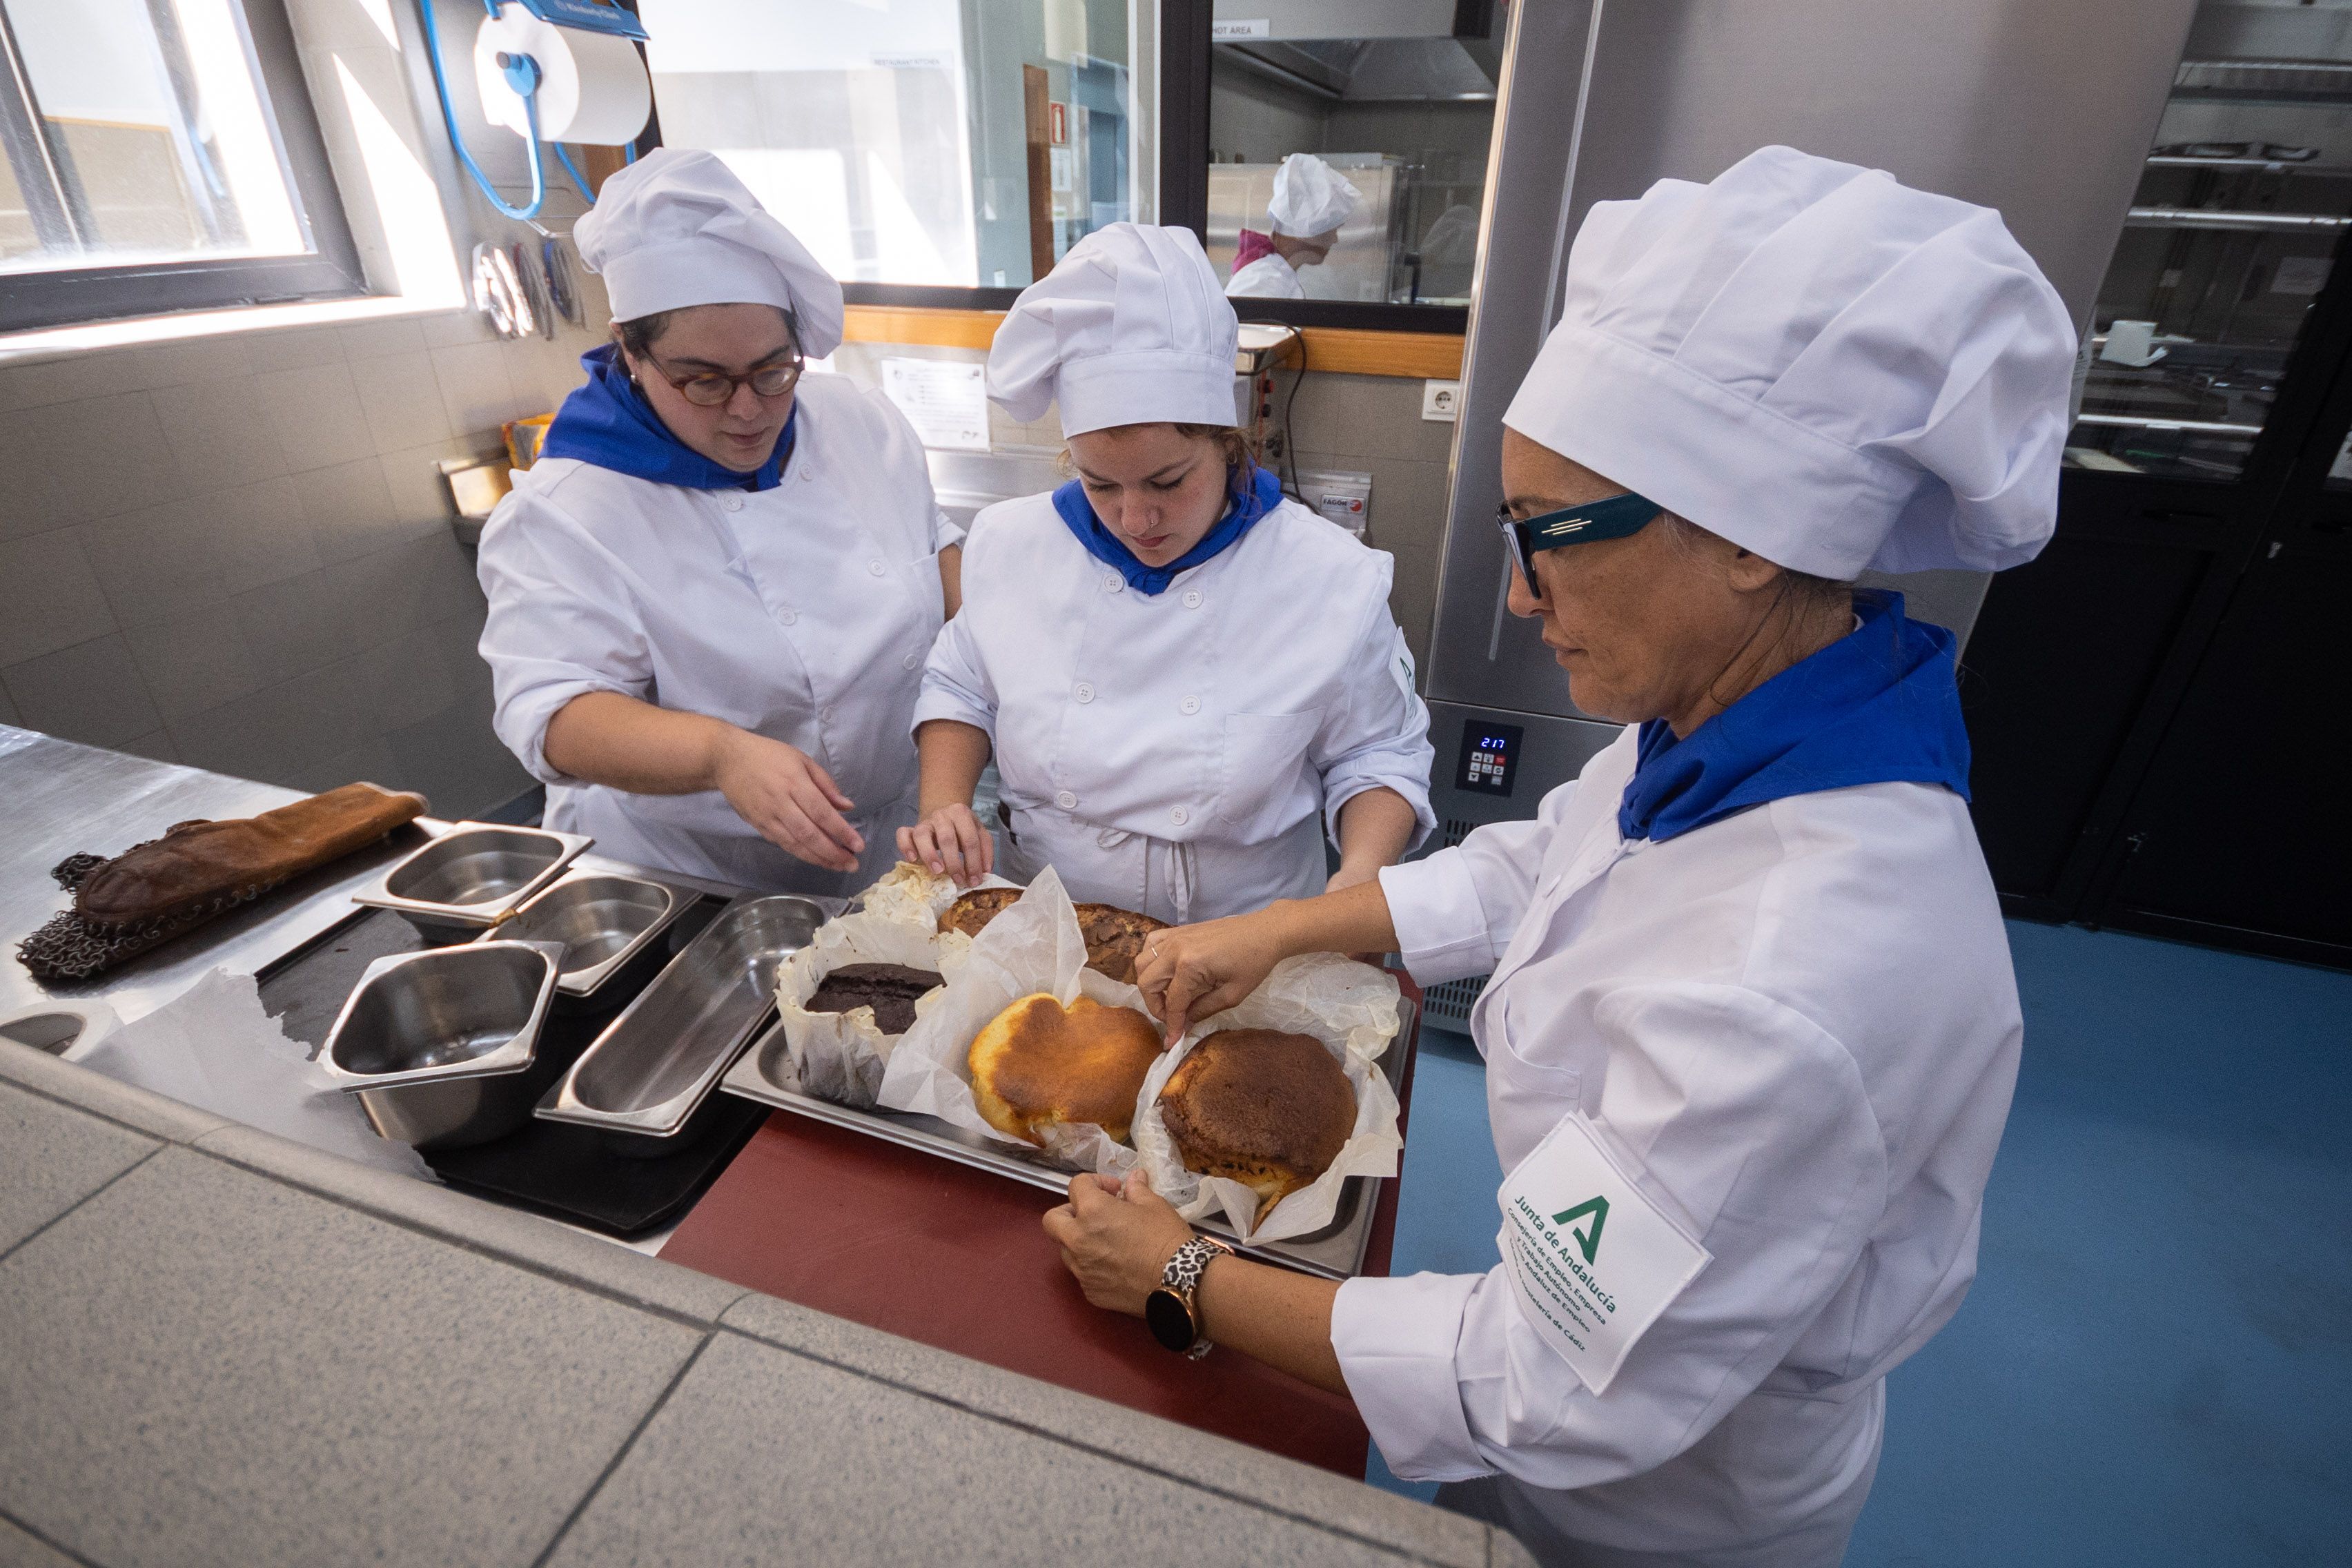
pixel 640 335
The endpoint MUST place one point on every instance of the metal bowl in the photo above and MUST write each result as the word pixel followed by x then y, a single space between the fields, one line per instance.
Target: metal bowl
pixel 435 1043
pixel 601 921
pixel 473 876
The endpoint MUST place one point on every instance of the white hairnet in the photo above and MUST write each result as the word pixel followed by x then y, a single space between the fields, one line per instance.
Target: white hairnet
pixel 677 228
pixel 1310 198
pixel 1129 328
pixel 1824 366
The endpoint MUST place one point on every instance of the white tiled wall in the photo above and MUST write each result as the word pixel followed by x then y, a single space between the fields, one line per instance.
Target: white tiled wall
pixel 235 553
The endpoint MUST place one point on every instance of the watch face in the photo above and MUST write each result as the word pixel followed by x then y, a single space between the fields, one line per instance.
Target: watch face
pixel 1169 1320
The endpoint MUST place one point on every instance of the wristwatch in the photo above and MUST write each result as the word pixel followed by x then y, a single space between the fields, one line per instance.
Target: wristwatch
pixel 1168 1310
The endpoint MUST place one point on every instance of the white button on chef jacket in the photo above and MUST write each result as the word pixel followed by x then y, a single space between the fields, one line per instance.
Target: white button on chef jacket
pixel 764 608
pixel 1796 1029
pixel 1208 745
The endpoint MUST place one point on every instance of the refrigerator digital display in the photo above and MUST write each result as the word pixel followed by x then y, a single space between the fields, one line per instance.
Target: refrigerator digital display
pixel 1489 754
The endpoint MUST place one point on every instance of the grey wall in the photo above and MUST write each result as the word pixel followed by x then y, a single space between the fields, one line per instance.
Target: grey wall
pixel 236 552
pixel 1259 118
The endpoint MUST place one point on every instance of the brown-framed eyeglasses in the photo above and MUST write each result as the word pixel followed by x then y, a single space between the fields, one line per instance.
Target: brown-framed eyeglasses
pixel 711 388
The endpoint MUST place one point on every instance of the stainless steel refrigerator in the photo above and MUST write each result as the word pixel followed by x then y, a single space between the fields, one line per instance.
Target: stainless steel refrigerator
pixel 2044 109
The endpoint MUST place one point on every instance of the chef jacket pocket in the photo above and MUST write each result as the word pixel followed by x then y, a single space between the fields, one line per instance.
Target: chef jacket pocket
pixel 1266 762
pixel 1532 1064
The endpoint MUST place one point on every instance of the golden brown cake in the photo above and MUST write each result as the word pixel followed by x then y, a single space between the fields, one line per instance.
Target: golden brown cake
pixel 1269 1109
pixel 972 912
pixel 1114 938
pixel 1038 1063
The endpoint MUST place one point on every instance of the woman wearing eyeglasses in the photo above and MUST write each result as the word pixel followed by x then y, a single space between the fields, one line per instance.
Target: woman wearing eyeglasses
pixel 712 598
pixel 1750 1025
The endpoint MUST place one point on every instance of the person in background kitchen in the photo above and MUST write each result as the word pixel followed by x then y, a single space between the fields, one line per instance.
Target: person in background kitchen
pixel 1183 676
pixel 1750 1026
pixel 712 598
pixel 1311 201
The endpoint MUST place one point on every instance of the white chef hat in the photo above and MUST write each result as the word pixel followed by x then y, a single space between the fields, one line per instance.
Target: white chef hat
pixel 1130 327
pixel 1822 365
pixel 1310 198
pixel 677 228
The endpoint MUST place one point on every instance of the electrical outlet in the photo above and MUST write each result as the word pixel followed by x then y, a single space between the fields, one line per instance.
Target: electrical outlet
pixel 1440 400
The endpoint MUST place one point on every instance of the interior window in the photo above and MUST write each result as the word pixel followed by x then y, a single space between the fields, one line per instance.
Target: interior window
pixel 2229 242
pixel 1403 119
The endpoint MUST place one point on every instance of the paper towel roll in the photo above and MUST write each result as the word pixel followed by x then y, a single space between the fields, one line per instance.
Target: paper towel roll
pixel 593 85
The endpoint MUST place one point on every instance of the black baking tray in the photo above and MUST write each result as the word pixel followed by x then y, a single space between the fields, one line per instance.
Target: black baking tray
pixel 573 1173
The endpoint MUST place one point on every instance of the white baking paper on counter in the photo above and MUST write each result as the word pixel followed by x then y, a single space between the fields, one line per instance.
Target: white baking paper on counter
pixel 213 1047
pixel 1034 945
pixel 909 894
pixel 841 1056
pixel 1351 1007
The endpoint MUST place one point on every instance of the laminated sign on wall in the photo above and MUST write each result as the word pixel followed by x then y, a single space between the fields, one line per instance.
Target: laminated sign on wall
pixel 945 400
pixel 1594 1259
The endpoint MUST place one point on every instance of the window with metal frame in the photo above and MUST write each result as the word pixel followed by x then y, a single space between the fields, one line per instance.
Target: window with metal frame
pixel 161 155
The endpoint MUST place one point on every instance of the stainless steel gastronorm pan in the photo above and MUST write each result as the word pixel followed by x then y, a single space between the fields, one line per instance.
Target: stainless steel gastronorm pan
pixel 654 1063
pixel 602 921
pixel 435 1043
pixel 474 874
pixel 765 1074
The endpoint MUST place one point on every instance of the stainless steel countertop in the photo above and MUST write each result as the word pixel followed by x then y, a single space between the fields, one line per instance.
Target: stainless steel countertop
pixel 60 799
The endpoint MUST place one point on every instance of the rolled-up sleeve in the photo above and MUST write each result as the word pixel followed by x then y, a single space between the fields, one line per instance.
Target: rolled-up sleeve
pixel 956 684
pixel 561 623
pixel 1376 736
pixel 945 531
pixel 1756 1126
pixel 1456 911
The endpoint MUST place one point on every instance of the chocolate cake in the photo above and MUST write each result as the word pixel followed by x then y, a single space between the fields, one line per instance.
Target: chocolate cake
pixel 890 989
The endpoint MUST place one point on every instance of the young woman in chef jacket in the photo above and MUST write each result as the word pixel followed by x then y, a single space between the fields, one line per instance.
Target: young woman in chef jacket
pixel 1751 1027
pixel 1185 680
pixel 711 596
pixel 1311 201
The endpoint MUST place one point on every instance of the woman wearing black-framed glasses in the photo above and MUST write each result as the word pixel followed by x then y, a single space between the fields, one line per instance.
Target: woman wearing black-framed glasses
pixel 711 598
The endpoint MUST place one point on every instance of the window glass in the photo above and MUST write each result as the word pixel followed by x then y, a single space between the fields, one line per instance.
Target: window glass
pixel 1404 120
pixel 2227 248
pixel 958 142
pixel 137 131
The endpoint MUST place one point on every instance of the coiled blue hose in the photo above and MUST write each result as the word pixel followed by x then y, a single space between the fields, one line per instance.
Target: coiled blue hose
pixel 531 118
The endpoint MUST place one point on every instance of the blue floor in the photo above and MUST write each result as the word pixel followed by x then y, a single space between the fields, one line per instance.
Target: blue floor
pixel 2155 1366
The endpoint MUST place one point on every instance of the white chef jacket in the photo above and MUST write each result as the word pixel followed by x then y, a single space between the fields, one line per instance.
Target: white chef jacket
pixel 1797 1029
pixel 1173 753
pixel 1270 277
pixel 802 613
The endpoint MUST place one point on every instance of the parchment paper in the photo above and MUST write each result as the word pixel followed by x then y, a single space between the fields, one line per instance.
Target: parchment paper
pixel 215 1048
pixel 841 1056
pixel 1033 946
pixel 1353 1008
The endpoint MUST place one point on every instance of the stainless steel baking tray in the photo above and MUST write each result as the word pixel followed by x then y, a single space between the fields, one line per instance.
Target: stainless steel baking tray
pixel 764 1073
pixel 474 874
pixel 653 1065
pixel 602 919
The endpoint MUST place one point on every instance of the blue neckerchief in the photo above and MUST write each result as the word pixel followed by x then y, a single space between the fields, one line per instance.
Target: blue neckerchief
pixel 1264 493
pixel 609 422
pixel 1879 705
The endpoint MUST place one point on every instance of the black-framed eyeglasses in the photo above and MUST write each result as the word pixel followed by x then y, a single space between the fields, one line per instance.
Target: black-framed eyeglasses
pixel 711 389
pixel 1614 518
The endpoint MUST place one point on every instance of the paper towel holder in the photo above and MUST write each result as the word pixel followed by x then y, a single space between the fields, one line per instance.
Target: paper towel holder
pixel 523 74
